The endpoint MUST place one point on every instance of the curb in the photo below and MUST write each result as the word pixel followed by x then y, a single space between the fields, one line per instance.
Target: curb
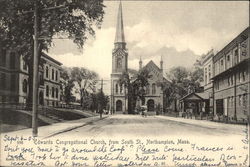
pixel 72 128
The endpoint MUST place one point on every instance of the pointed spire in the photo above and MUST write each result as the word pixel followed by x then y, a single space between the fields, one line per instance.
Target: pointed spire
pixel 119 37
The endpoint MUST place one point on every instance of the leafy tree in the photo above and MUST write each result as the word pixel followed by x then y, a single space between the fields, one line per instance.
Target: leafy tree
pixel 135 86
pixel 67 84
pixel 102 102
pixel 76 21
pixel 140 83
pixel 85 83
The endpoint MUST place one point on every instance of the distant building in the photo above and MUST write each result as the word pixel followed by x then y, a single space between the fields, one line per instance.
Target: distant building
pixel 119 101
pixel 14 79
pixel 154 94
pixel 52 86
pixel 231 80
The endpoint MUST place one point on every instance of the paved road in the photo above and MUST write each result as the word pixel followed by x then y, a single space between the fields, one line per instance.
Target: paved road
pixel 155 126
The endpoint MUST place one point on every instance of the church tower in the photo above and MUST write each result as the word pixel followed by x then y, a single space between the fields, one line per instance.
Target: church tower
pixel 119 66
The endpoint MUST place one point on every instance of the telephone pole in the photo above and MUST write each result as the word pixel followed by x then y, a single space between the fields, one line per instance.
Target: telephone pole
pixel 35 75
pixel 36 66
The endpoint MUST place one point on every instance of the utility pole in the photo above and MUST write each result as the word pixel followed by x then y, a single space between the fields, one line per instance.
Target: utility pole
pixel 35 74
pixel 36 67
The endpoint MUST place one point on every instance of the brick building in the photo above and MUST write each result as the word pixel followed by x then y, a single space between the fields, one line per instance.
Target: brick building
pixel 14 79
pixel 231 80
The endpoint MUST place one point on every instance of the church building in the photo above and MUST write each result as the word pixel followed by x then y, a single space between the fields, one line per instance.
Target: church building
pixel 154 95
pixel 119 65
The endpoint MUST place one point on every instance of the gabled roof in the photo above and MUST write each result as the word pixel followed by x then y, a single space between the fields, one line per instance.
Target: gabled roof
pixel 153 65
pixel 201 96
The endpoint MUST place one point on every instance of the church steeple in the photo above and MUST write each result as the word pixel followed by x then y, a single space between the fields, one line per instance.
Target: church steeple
pixel 120 37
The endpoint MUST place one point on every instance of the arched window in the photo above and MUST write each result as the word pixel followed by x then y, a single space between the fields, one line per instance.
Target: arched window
pixel 53 74
pixel 47 72
pixel 56 93
pixel 25 85
pixel 47 90
pixel 53 92
pixel 116 88
pixel 153 88
pixel 119 63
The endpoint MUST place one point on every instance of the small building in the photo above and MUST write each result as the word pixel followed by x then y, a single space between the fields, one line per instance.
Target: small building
pixel 231 80
pixel 194 105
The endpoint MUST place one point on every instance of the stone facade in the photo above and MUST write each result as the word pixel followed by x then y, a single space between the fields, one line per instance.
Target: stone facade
pixel 14 78
pixel 119 66
pixel 154 93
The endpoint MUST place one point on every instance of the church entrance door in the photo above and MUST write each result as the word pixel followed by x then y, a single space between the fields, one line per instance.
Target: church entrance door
pixel 151 105
pixel 118 105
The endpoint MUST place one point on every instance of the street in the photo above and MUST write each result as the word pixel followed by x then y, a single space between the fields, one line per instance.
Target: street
pixel 153 126
pixel 131 140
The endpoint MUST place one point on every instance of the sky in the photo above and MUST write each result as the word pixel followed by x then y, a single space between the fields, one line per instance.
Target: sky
pixel 179 31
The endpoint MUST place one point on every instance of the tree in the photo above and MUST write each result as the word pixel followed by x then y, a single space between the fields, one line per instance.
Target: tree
pixel 140 83
pixel 75 20
pixel 135 86
pixel 86 81
pixel 102 102
pixel 67 84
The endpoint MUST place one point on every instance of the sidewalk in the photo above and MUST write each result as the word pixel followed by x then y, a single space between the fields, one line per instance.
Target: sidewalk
pixel 57 128
pixel 205 123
